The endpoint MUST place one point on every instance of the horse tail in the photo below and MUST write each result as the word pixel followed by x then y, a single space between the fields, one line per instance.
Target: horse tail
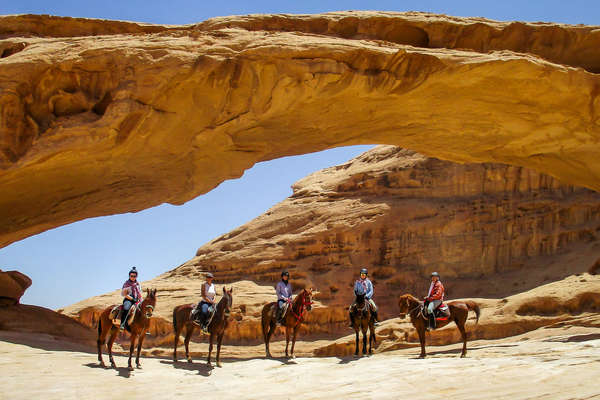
pixel 175 320
pixel 472 306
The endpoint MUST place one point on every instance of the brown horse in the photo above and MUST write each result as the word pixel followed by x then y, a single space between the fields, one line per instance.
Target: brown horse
pixel 216 328
pixel 362 320
pixel 138 327
pixel 293 319
pixel 459 311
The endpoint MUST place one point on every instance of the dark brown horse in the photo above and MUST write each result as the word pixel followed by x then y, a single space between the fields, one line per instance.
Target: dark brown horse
pixel 459 311
pixel 293 319
pixel 138 327
pixel 216 328
pixel 363 320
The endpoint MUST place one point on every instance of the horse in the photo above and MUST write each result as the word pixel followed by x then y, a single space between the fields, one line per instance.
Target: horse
pixel 293 319
pixel 459 311
pixel 362 321
pixel 138 327
pixel 216 327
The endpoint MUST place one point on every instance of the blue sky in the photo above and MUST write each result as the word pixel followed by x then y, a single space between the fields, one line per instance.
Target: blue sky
pixel 92 257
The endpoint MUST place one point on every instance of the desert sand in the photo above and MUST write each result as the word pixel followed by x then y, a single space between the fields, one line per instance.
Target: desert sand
pixel 549 363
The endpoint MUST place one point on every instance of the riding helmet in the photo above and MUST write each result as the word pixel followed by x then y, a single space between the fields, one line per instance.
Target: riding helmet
pixel 364 271
pixel 133 271
pixel 435 274
pixel 285 273
pixel 209 275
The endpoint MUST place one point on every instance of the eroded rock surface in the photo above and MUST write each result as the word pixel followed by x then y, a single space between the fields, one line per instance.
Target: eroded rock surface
pixel 12 286
pixel 104 117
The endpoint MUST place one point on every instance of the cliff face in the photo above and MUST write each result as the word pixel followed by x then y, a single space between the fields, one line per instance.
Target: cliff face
pixel 103 117
pixel 489 229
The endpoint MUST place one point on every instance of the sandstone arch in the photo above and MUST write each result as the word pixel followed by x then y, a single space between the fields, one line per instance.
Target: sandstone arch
pixel 104 117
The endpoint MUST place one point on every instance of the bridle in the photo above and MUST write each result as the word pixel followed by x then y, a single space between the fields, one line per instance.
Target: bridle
pixel 305 302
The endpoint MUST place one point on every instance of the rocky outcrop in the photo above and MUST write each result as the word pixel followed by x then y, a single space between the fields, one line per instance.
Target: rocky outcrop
pixel 104 117
pixel 489 229
pixel 12 286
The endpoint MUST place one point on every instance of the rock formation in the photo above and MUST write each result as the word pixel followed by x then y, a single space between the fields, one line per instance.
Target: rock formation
pixel 104 117
pixel 491 230
pixel 12 286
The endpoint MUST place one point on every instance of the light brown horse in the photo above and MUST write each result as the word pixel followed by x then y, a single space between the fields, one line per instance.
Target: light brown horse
pixel 459 311
pixel 363 320
pixel 139 327
pixel 216 328
pixel 293 319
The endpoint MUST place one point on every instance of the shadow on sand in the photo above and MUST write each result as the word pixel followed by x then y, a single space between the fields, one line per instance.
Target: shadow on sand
pixel 123 371
pixel 202 368
pixel 349 359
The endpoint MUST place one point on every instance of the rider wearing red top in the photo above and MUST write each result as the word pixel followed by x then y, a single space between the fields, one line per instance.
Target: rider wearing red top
pixel 434 298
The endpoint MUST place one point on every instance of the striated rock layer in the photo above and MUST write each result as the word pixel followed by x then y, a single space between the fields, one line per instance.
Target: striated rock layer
pixel 104 117
pixel 489 229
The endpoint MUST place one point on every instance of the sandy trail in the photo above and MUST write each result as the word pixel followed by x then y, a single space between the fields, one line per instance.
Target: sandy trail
pixel 559 363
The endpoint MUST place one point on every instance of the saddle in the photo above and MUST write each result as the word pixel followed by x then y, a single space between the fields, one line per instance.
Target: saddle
pixel 196 314
pixel 442 313
pixel 117 314
pixel 284 310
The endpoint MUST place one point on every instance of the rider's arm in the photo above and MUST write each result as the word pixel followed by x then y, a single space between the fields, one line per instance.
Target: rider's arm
pixel 203 293
pixel 125 292
pixel 369 290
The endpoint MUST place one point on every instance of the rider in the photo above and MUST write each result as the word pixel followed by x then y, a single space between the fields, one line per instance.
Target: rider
pixel 284 293
pixel 132 293
pixel 208 294
pixel 434 298
pixel 364 286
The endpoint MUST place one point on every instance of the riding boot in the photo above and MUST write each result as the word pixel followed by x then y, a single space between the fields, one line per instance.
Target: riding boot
pixel 431 321
pixel 375 318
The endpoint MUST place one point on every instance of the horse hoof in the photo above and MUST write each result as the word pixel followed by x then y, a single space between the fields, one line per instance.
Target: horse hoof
pixel 422 356
pixel 219 365
pixel 189 360
pixel 138 366
pixel 130 368
pixel 463 355
pixel 113 365
pixel 209 365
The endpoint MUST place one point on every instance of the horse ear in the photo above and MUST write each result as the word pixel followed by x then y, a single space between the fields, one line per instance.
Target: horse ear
pixel 224 290
pixel 147 292
pixel 154 293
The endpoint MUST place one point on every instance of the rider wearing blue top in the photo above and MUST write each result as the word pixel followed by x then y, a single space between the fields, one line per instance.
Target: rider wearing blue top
pixel 284 293
pixel 364 286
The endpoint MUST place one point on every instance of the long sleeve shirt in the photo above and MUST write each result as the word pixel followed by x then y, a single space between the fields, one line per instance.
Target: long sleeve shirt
pixel 363 286
pixel 284 291
pixel 436 291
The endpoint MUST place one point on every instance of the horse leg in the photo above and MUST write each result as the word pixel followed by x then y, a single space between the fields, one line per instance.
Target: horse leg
pixel 131 347
pixel 175 344
pixel 210 347
pixel 463 333
pixel 139 349
pixel 219 340
pixel 287 340
pixel 357 340
pixel 371 337
pixel 421 331
pixel 364 333
pixel 188 335
pixel 294 339
pixel 268 339
pixel 113 335
pixel 102 331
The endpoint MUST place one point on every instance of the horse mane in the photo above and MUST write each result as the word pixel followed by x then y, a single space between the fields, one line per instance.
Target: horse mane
pixel 409 297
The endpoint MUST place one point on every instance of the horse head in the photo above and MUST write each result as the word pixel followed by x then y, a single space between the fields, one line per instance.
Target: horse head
pixel 227 300
pixel 307 298
pixel 405 302
pixel 149 302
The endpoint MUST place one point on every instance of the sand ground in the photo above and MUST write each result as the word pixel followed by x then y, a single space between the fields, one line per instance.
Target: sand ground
pixel 549 363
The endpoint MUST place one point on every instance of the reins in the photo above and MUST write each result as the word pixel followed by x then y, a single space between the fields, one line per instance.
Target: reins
pixel 304 303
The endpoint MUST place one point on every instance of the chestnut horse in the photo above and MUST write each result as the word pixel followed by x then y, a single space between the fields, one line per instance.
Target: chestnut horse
pixel 216 328
pixel 459 311
pixel 362 321
pixel 139 327
pixel 293 319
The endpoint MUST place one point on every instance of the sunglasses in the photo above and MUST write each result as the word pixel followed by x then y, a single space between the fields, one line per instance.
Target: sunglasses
pixel 133 276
